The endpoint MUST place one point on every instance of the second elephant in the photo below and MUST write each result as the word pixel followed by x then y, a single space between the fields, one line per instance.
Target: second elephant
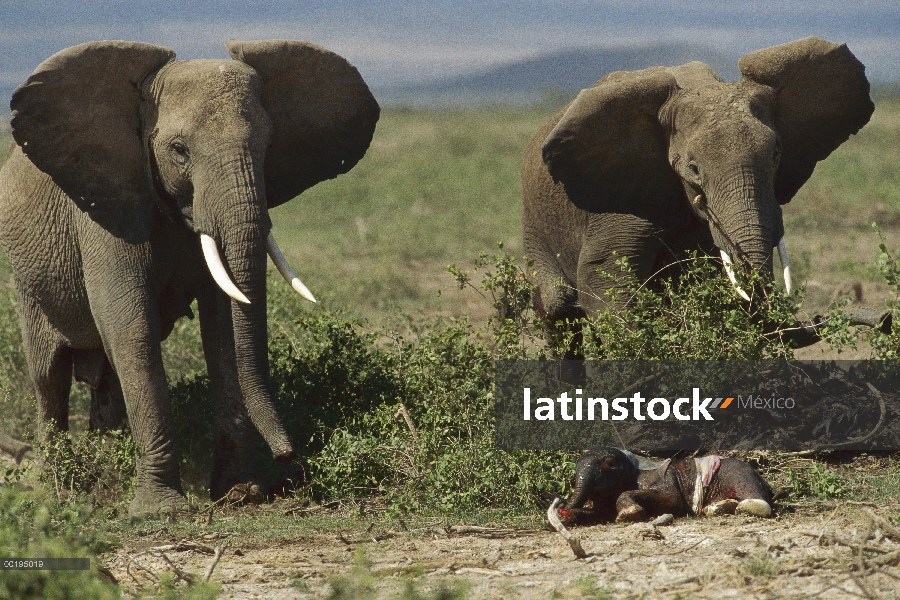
pixel 648 165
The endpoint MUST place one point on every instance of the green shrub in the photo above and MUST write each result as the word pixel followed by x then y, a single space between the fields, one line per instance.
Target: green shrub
pixel 89 462
pixel 33 526
pixel 886 346
pixel 817 481
pixel 695 316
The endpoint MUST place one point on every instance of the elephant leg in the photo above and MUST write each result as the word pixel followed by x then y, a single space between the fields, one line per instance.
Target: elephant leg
pixel 557 301
pixel 107 402
pixel 50 363
pixel 738 481
pixel 609 238
pixel 118 283
pixel 637 505
pixel 236 439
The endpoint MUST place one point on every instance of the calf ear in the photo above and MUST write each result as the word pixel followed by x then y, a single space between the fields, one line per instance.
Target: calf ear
pixel 323 114
pixel 609 149
pixel 821 99
pixel 77 118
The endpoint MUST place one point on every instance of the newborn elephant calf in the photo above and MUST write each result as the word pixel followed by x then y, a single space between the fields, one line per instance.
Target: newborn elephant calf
pixel 628 488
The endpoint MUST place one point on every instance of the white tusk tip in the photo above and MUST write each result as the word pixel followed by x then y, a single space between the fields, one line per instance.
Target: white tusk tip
pixel 302 290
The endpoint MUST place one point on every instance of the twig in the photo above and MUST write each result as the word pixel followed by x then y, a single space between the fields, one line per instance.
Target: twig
pixel 834 539
pixel 189 579
pixel 409 423
pixel 183 546
pixel 673 552
pixel 133 560
pixel 219 551
pixel 492 532
pixel 573 541
pixel 889 529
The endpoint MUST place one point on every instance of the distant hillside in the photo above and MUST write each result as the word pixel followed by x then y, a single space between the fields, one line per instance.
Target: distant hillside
pixel 545 77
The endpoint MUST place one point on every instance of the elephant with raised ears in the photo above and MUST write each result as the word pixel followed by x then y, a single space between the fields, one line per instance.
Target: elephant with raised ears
pixel 649 165
pixel 139 183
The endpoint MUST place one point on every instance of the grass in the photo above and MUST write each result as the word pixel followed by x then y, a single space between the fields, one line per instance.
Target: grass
pixel 435 188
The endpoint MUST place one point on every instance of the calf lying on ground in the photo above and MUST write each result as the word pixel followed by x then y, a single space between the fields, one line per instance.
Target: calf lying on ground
pixel 628 488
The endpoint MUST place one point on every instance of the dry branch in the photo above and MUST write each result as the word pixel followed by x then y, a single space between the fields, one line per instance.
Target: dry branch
pixel 573 541
pixel 215 561
pixel 186 577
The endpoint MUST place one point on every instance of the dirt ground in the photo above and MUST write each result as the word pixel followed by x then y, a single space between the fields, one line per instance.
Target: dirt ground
pixel 805 551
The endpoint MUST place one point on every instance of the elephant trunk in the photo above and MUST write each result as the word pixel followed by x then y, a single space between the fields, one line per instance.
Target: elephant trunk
pixel 746 228
pixel 231 209
pixel 245 250
pixel 579 495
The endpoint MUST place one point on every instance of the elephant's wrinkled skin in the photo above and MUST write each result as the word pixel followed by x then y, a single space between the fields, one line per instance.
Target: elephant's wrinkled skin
pixel 126 163
pixel 648 165
pixel 620 488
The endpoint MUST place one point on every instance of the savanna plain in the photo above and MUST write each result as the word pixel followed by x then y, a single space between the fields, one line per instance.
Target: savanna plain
pixel 384 506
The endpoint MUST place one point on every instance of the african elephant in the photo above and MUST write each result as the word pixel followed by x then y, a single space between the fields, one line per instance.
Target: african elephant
pixel 625 487
pixel 650 164
pixel 140 183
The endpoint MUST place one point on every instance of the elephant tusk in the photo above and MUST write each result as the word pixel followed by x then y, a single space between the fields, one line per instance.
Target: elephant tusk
pixel 285 269
pixel 217 269
pixel 726 261
pixel 782 254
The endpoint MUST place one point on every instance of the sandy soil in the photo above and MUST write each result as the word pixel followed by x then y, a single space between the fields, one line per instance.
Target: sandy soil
pixel 720 557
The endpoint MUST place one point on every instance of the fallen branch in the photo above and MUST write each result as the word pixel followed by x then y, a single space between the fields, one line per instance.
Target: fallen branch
pixel 183 546
pixel 492 532
pixel 187 577
pixel 215 561
pixel 573 541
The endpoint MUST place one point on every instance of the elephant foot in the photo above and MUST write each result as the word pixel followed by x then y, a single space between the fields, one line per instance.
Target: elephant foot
pixel 631 514
pixel 722 507
pixel 755 507
pixel 165 501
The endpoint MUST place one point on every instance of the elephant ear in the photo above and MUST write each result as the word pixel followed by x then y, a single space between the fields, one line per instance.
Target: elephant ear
pixel 609 149
pixel 822 98
pixel 323 114
pixel 77 117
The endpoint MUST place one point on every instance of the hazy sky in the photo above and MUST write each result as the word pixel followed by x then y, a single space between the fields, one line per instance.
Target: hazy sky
pixel 404 41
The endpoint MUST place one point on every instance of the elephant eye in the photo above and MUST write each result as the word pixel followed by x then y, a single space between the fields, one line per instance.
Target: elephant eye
pixel 693 168
pixel 179 148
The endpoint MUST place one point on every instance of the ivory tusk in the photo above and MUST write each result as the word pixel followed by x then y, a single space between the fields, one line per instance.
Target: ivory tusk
pixel 217 269
pixel 726 261
pixel 285 269
pixel 782 254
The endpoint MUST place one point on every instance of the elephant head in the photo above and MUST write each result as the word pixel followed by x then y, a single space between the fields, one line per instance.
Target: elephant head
pixel 601 474
pixel 135 138
pixel 643 142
